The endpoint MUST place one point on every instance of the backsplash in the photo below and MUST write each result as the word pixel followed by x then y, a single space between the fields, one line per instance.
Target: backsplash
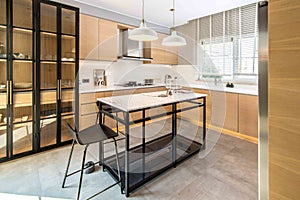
pixel 123 71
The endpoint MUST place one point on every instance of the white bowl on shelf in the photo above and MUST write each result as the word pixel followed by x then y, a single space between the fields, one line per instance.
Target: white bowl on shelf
pixel 24 118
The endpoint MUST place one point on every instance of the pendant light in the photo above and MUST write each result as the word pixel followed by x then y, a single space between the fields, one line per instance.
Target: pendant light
pixel 173 39
pixel 143 33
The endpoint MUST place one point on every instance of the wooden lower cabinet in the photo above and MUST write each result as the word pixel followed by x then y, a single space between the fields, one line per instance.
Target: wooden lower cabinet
pixel 230 111
pixel 248 115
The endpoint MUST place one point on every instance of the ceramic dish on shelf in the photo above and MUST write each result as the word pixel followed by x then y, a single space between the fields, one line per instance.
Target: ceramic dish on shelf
pixel 2 55
pixel 24 118
pixel 19 55
pixel 2 86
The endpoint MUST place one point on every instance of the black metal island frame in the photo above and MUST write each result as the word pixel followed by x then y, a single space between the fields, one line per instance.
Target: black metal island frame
pixel 143 162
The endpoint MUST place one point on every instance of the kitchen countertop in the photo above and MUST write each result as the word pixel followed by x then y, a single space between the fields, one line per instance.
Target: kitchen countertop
pixel 112 88
pixel 145 100
pixel 239 89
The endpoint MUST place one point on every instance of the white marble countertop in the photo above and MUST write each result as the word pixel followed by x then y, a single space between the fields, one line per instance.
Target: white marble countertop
pixel 150 99
pixel 240 89
pixel 112 88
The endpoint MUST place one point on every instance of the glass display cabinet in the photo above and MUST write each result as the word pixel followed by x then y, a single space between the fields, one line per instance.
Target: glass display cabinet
pixel 39 59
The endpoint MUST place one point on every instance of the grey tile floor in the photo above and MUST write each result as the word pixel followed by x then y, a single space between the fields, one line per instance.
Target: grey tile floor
pixel 226 170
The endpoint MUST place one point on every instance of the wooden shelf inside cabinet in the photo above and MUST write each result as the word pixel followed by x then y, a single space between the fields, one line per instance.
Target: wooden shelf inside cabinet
pixel 2 26
pixel 68 36
pixel 19 90
pixel 22 29
pixel 17 124
pixel 64 114
pixel 22 60
pixel 51 62
pixel 68 62
pixel 49 33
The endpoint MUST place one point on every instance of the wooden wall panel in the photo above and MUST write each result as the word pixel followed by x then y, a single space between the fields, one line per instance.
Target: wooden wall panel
pixel 284 95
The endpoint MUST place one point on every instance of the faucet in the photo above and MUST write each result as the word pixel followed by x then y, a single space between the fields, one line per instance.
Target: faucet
pixel 217 80
pixel 167 76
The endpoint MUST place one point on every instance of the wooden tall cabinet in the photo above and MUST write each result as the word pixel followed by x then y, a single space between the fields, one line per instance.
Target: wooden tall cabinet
pixel 38 65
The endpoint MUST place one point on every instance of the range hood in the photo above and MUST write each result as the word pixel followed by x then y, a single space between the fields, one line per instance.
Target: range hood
pixel 130 49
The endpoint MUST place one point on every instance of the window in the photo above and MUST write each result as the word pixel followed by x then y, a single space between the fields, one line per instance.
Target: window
pixel 228 44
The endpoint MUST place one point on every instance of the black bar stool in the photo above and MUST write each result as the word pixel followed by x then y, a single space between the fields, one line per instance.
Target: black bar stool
pixel 94 134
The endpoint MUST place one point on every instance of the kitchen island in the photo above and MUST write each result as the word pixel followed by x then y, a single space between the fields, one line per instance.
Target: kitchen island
pixel 145 161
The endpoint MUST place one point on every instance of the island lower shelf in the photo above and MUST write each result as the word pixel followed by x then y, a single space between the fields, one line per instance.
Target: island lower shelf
pixel 157 158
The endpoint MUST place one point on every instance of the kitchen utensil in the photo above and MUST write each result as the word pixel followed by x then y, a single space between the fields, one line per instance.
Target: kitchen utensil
pixel 132 83
pixel 149 81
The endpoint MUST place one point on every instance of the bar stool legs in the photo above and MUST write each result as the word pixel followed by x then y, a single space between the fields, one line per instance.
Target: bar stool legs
pixel 81 172
pixel 82 168
pixel 68 165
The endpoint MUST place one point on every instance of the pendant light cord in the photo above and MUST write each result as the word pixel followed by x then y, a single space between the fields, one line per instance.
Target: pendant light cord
pixel 173 10
pixel 143 10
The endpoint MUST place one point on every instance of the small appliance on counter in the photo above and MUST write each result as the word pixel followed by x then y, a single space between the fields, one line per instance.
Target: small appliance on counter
pixel 99 77
pixel 149 81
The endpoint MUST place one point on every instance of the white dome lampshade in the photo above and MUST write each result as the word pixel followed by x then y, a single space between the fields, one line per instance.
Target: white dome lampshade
pixel 174 40
pixel 143 33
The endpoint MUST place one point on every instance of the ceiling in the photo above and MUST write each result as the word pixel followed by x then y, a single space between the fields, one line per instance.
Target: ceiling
pixel 157 11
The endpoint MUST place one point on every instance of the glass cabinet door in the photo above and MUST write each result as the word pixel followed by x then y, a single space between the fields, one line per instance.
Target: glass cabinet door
pixel 22 13
pixel 67 71
pixel 3 108
pixel 67 98
pixel 68 22
pixel 3 81
pixel 22 77
pixel 48 75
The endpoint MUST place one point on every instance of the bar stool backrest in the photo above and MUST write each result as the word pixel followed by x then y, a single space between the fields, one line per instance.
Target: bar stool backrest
pixel 74 134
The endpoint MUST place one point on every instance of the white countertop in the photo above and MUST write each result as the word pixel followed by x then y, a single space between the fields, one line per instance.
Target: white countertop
pixel 240 89
pixel 145 100
pixel 112 88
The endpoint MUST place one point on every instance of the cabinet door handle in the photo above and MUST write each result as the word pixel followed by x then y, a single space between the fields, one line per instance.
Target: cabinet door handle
pixel 10 91
pixel 7 93
pixel 59 89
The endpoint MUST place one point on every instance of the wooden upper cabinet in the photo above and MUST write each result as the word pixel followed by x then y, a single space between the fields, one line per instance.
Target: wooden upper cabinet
pixel 163 54
pixel 98 39
pixel 88 37
pixel 107 40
